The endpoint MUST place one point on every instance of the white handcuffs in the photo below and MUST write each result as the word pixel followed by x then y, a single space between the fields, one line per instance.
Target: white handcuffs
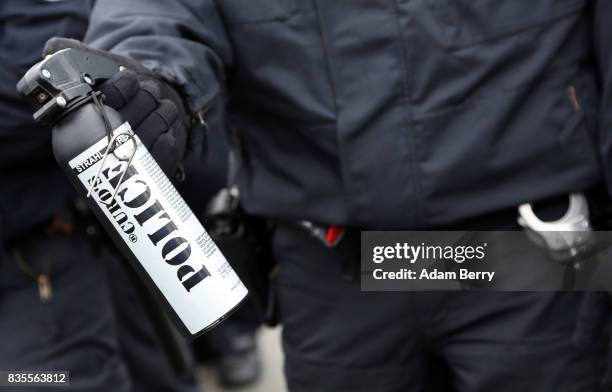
pixel 566 236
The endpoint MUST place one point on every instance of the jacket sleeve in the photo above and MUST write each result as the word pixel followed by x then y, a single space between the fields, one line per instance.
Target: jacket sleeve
pixel 183 41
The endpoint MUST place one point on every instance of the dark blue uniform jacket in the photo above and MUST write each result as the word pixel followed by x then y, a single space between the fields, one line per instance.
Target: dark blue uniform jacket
pixel 388 113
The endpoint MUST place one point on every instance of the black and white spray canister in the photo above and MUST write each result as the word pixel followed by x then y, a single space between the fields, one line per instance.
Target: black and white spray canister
pixel 140 208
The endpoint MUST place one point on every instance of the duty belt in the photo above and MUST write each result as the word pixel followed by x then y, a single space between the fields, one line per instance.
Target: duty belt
pixel 567 239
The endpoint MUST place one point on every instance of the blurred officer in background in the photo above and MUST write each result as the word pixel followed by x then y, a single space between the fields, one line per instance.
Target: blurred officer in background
pixel 233 349
pixel 380 114
pixel 66 302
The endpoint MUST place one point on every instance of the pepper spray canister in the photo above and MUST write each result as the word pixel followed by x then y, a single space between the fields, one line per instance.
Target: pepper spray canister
pixel 129 193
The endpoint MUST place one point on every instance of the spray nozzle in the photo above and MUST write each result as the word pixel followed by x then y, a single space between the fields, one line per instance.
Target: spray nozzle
pixel 64 80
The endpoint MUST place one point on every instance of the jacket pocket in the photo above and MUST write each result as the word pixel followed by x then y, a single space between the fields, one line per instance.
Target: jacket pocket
pixel 256 11
pixel 505 149
pixel 464 23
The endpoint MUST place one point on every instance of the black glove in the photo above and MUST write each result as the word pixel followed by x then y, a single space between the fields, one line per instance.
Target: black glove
pixel 152 107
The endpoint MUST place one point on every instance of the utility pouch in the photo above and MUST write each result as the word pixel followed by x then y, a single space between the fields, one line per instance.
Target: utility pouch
pixel 245 242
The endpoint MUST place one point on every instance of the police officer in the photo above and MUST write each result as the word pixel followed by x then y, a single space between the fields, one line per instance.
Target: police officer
pixel 412 114
pixel 66 301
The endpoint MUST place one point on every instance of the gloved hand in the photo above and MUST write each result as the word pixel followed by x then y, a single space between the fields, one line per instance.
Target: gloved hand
pixel 152 107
